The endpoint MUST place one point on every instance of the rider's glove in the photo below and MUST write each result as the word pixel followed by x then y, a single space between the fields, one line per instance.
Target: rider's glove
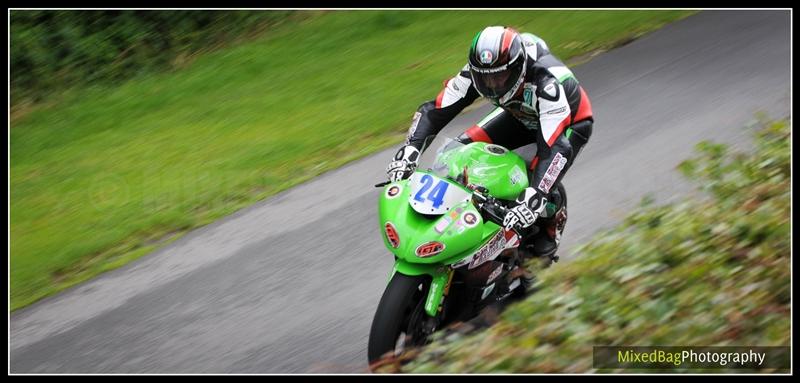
pixel 403 163
pixel 530 204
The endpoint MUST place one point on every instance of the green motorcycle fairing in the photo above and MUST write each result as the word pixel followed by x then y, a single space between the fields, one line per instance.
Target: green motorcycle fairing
pixel 429 243
pixel 494 167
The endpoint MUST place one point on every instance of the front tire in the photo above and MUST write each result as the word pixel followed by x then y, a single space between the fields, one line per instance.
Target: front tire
pixel 402 300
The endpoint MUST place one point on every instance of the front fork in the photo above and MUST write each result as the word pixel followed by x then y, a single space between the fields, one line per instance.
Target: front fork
pixel 441 278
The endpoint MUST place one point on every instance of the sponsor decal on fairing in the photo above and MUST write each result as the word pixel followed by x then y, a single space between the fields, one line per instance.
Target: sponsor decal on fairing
pixel 516 175
pixel 447 219
pixel 393 191
pixel 429 249
pixel 504 239
pixel 391 235
pixel 470 219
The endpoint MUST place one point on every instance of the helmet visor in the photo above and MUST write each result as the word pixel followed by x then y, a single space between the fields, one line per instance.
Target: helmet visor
pixel 496 84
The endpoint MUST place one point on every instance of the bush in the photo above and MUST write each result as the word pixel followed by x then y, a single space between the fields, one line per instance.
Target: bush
pixel 706 272
pixel 57 50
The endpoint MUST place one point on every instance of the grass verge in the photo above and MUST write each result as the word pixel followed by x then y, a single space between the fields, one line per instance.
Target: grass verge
pixel 106 175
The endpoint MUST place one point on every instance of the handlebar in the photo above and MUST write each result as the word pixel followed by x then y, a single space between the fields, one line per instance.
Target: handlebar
pixel 495 211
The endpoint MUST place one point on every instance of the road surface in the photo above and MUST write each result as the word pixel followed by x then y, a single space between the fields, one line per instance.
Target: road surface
pixel 290 284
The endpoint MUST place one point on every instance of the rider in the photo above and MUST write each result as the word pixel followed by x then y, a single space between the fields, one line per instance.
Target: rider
pixel 537 99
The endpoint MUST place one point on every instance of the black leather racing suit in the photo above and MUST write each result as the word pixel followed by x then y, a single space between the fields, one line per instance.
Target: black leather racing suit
pixel 550 108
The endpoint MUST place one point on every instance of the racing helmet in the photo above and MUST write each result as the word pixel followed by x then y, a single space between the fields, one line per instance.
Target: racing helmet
pixel 497 61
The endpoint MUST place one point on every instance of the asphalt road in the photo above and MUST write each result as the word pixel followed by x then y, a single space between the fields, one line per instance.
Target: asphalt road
pixel 290 284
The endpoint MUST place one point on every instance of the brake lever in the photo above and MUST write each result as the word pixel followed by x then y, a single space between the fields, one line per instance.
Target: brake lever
pixel 490 206
pixel 382 184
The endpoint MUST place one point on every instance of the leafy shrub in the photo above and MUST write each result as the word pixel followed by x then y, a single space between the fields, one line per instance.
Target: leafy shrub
pixel 56 50
pixel 711 271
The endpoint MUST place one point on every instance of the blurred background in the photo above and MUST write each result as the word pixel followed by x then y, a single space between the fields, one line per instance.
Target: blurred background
pixel 131 128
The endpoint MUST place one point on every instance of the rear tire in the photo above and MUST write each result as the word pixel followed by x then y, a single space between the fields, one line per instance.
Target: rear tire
pixel 400 300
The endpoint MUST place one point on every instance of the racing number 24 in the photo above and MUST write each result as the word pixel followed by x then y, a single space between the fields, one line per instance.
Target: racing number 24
pixel 436 195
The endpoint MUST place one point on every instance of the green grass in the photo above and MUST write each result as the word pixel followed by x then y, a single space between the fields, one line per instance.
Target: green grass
pixel 108 174
pixel 711 271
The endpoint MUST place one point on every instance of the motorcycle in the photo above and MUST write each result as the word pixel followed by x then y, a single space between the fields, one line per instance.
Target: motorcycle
pixel 453 257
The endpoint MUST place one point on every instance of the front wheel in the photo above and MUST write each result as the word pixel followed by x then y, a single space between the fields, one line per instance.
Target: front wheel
pixel 399 318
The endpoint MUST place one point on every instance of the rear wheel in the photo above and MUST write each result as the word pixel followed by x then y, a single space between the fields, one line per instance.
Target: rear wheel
pixel 399 319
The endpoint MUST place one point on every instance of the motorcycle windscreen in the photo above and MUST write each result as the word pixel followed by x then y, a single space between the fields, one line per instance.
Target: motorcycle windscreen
pixel 433 195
